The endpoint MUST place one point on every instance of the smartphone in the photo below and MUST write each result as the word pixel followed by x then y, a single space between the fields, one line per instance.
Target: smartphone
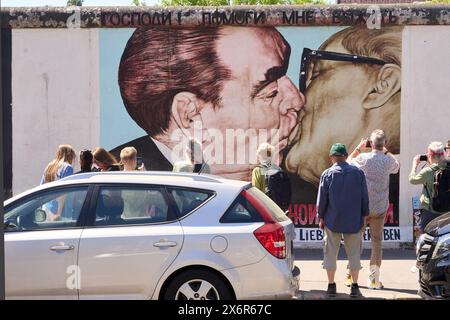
pixel 423 157
pixel 368 144
pixel 140 161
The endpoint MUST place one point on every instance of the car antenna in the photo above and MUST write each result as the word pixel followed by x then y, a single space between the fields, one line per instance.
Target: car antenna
pixel 203 166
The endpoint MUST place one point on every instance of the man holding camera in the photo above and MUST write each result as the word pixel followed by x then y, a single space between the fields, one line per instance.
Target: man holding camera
pixel 435 158
pixel 377 165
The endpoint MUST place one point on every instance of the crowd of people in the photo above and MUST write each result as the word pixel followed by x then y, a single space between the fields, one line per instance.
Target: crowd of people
pixel 353 193
pixel 100 160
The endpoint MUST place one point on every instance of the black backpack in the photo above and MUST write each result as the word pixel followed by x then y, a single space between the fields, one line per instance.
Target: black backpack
pixel 440 196
pixel 278 187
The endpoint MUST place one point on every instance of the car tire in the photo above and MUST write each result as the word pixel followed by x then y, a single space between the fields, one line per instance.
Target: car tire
pixel 197 285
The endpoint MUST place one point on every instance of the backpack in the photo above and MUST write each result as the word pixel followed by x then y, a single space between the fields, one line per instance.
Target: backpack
pixel 278 186
pixel 440 196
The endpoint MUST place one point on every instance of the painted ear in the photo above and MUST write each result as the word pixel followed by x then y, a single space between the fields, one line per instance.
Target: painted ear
pixel 387 84
pixel 185 109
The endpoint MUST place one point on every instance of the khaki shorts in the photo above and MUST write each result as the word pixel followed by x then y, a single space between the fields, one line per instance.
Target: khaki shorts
pixel 352 244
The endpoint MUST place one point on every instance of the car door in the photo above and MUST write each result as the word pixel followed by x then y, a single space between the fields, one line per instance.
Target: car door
pixel 41 246
pixel 133 238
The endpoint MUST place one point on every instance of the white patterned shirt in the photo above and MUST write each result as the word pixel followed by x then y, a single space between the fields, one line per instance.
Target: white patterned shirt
pixel 377 167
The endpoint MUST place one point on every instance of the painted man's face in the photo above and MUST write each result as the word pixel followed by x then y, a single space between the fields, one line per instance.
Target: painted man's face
pixel 333 113
pixel 259 97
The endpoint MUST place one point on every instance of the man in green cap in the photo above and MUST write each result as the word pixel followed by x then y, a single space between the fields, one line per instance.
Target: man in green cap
pixel 342 207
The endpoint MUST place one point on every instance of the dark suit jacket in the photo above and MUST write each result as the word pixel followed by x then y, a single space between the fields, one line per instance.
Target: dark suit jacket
pixel 153 158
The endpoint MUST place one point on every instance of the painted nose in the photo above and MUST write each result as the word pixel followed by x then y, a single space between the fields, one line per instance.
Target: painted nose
pixel 293 99
pixel 292 102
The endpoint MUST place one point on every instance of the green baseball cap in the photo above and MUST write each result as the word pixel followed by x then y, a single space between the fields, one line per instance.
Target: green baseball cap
pixel 338 149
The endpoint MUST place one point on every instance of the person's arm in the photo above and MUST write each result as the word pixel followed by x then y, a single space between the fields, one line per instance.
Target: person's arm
pixel 256 179
pixel 394 165
pixel 417 178
pixel 365 196
pixel 357 150
pixel 322 200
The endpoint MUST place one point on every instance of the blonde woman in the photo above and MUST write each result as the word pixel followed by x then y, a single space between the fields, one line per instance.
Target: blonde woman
pixel 58 168
pixel 61 166
pixel 105 161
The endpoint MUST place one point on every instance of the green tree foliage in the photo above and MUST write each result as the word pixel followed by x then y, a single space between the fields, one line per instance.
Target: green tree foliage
pixel 138 3
pixel 204 3
pixel 74 3
pixel 237 2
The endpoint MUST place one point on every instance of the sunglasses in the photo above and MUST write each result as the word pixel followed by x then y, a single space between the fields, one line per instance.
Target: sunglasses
pixel 309 55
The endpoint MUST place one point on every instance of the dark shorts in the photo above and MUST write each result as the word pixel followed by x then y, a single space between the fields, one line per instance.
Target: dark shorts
pixel 425 218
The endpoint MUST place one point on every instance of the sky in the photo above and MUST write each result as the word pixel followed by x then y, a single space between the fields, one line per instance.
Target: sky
pixel 62 3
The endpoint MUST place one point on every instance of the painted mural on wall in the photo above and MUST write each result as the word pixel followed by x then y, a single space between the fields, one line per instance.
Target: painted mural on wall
pixel 232 88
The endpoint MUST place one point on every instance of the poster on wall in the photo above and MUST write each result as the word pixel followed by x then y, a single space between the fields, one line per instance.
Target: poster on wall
pixel 233 88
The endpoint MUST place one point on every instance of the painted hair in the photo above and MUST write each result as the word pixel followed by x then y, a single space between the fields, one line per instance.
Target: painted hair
pixel 384 44
pixel 64 153
pixel 159 63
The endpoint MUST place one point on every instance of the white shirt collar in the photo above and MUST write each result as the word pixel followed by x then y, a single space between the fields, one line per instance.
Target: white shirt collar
pixel 165 150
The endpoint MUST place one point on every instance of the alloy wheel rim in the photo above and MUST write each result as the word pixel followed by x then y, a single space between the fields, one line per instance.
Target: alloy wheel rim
pixel 197 289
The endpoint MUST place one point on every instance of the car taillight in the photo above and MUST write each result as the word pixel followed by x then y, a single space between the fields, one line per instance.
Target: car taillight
pixel 272 237
pixel 271 234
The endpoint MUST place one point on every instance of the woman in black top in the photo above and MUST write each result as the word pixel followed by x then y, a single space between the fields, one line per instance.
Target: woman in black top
pixel 86 161
pixel 105 161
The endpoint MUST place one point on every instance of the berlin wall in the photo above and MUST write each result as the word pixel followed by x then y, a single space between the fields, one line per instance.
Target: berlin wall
pixel 233 77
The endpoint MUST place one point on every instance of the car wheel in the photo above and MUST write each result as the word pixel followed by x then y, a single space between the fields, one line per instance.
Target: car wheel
pixel 197 285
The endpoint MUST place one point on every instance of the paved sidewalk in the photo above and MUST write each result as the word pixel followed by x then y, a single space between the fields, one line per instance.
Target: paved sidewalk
pixel 398 279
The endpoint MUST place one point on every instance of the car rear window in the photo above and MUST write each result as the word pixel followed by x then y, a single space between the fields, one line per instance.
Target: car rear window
pixel 241 211
pixel 188 200
pixel 274 209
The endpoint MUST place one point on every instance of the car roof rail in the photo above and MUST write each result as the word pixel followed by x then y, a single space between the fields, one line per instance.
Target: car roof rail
pixel 193 176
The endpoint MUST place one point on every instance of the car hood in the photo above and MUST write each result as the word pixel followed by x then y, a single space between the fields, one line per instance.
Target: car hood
pixel 439 226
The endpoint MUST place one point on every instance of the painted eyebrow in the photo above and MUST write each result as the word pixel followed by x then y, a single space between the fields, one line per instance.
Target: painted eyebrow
pixel 271 75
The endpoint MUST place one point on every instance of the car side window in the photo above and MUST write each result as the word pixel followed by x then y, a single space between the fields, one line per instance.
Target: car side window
pixel 188 200
pixel 131 205
pixel 241 211
pixel 54 209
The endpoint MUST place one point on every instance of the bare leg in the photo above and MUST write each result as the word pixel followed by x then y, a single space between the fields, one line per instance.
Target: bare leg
pixel 330 274
pixel 355 274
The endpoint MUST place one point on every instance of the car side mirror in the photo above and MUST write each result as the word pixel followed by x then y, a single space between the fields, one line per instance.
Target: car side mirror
pixel 9 225
pixel 40 216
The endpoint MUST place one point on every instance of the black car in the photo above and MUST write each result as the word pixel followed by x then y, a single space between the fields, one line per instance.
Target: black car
pixel 433 259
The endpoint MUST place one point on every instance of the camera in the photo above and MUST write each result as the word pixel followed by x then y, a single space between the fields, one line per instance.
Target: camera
pixel 423 157
pixel 368 144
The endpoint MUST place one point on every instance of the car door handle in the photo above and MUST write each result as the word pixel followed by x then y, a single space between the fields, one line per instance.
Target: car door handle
pixel 163 244
pixel 62 247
